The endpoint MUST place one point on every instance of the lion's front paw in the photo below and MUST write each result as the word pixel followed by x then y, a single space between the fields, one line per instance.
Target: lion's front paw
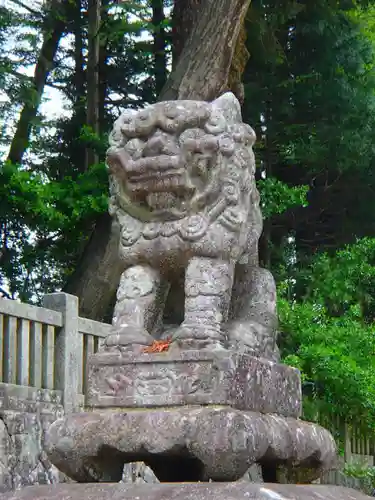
pixel 198 337
pixel 128 338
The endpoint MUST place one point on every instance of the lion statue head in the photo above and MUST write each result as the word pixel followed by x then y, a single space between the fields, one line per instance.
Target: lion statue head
pixel 178 158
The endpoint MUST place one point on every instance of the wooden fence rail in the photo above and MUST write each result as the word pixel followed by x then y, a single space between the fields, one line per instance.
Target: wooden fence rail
pixel 48 347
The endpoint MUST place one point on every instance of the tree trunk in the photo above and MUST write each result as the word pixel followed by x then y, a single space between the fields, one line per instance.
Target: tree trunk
pixel 200 73
pixel 160 59
pixel 183 19
pixel 202 70
pixel 94 12
pixel 53 29
pixel 79 72
pixel 103 60
pixel 77 148
pixel 97 274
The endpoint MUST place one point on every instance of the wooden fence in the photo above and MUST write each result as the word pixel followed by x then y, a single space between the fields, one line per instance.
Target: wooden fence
pixel 47 347
pixel 353 440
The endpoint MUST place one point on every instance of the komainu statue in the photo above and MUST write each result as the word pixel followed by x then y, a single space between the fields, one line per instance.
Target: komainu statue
pixel 184 196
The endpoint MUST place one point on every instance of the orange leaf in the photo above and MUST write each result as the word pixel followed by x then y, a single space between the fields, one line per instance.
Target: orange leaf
pixel 158 346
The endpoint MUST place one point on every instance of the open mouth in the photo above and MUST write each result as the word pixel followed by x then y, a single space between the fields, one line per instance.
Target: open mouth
pixel 161 182
pixel 155 176
pixel 152 164
pixel 158 174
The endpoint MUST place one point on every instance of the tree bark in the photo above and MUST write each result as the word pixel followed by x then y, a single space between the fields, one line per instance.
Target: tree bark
pixel 97 274
pixel 160 59
pixel 53 29
pixel 103 60
pixel 183 19
pixel 79 72
pixel 203 67
pixel 94 14
pixel 200 73
pixel 77 148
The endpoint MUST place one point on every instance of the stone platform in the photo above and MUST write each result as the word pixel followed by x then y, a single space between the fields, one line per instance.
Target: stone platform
pixel 187 444
pixel 211 491
pixel 124 380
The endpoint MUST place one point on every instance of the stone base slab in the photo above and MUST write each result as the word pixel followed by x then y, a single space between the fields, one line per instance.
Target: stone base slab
pixel 212 491
pixel 193 378
pixel 187 444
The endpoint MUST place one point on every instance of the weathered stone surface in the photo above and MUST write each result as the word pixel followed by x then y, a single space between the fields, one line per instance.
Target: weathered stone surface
pixel 25 416
pixel 211 491
pixel 187 444
pixel 193 377
pixel 184 197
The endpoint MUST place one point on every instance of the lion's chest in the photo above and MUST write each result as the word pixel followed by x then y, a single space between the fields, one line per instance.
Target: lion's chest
pixel 171 244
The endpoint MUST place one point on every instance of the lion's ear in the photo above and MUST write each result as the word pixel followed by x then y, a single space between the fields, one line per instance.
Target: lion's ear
pixel 229 106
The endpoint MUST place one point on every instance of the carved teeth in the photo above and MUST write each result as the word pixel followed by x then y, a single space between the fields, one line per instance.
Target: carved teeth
pixel 155 177
pixel 164 182
pixel 152 163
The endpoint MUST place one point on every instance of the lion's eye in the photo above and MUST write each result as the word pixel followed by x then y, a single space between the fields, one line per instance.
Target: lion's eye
pixel 125 119
pixel 171 113
pixel 143 116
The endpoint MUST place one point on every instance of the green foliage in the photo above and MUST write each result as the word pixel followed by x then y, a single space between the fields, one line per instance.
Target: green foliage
pixel 277 197
pixel 327 319
pixel 309 92
pixel 52 205
pixel 349 280
pixel 365 475
pixel 335 355
pixel 40 219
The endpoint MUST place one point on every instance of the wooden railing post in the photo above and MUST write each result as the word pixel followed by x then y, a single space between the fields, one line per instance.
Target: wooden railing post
pixel 347 443
pixel 68 360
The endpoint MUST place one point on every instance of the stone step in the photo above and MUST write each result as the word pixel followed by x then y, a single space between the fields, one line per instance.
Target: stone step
pixel 185 491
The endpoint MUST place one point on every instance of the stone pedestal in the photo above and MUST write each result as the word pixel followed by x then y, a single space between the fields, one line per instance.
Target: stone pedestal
pixel 190 416
pixel 187 444
pixel 202 378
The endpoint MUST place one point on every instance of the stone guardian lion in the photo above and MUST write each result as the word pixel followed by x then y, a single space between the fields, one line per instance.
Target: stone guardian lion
pixel 184 197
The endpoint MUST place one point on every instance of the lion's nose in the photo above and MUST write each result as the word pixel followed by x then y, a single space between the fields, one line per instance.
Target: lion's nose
pixel 153 147
pixel 158 145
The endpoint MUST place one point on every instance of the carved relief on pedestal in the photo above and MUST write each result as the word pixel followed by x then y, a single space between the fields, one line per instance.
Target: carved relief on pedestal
pixel 164 381
pixel 194 378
